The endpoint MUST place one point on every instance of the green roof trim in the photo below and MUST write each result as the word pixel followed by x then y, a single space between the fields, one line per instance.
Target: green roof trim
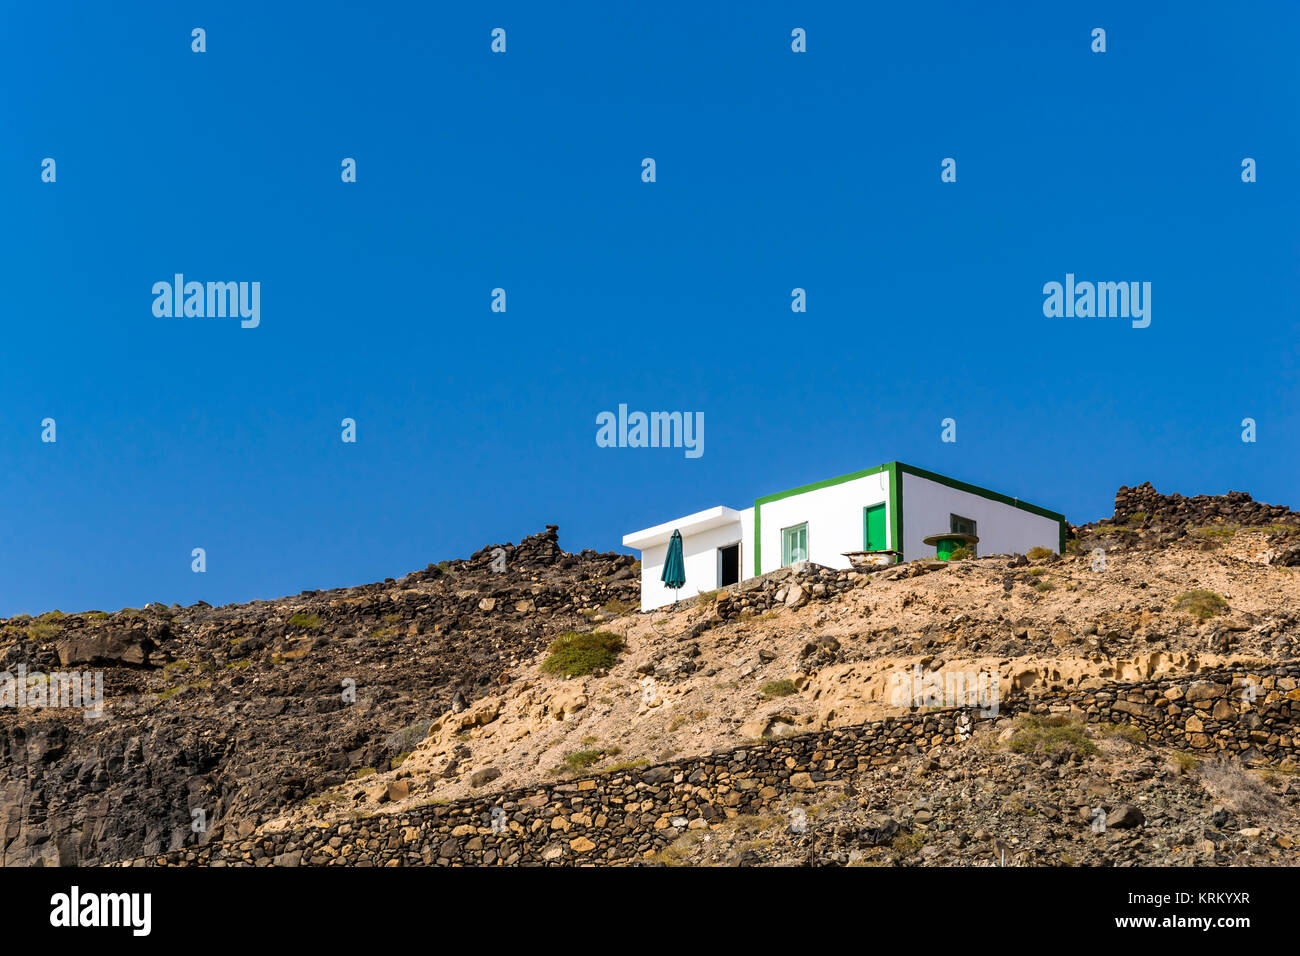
pixel 896 470
pixel 803 490
pixel 992 496
pixel 982 492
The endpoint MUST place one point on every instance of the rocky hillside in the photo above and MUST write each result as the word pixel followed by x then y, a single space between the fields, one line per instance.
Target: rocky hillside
pixel 1102 796
pixel 242 711
pixel 418 720
pixel 818 649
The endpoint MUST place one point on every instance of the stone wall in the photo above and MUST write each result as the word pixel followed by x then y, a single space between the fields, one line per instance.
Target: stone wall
pixel 1144 518
pixel 1236 507
pixel 620 816
pixel 1253 715
pixel 794 586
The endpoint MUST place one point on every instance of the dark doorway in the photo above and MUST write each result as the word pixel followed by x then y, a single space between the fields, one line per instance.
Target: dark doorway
pixel 728 565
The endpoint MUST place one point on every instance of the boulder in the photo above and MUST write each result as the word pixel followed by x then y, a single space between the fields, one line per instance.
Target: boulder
pixel 880 830
pixel 1125 818
pixel 111 646
pixel 398 790
pixel 480 778
pixel 563 707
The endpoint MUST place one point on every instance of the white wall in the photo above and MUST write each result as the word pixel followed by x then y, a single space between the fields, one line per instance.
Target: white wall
pixel 747 544
pixel 700 554
pixel 1002 529
pixel 652 568
pixel 834 516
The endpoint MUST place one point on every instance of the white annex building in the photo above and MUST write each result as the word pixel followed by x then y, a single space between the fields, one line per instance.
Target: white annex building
pixel 889 509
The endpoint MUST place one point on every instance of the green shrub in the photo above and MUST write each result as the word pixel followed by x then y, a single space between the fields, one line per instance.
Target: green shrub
pixel 779 688
pixel 1039 553
pixel 1216 531
pixel 1185 762
pixel 961 553
pixel 574 654
pixel 1051 735
pixel 906 844
pixel 1201 603
pixel 44 626
pixel 43 631
pixel 305 622
pixel 614 607
pixel 582 759
pixel 1102 530
pixel 1129 732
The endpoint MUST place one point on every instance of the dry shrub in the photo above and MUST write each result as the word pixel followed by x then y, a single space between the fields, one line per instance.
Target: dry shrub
pixel 1238 789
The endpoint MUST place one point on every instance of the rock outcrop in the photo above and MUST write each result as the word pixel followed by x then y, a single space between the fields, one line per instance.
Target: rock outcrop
pixel 219 718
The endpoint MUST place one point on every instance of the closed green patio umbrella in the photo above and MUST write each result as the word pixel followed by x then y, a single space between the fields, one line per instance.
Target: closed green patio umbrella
pixel 674 575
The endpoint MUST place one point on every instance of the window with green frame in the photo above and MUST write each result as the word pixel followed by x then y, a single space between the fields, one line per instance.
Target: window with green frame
pixel 794 544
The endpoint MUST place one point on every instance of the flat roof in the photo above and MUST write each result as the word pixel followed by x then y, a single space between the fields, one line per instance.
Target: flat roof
pixel 691 524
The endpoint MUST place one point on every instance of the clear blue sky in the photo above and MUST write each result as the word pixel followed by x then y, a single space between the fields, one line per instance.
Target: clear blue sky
pixel 775 170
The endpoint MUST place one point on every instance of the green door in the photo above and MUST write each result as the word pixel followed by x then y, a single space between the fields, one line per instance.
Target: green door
pixel 873 528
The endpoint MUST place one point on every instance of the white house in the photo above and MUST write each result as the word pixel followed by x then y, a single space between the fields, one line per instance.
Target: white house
pixel 889 508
